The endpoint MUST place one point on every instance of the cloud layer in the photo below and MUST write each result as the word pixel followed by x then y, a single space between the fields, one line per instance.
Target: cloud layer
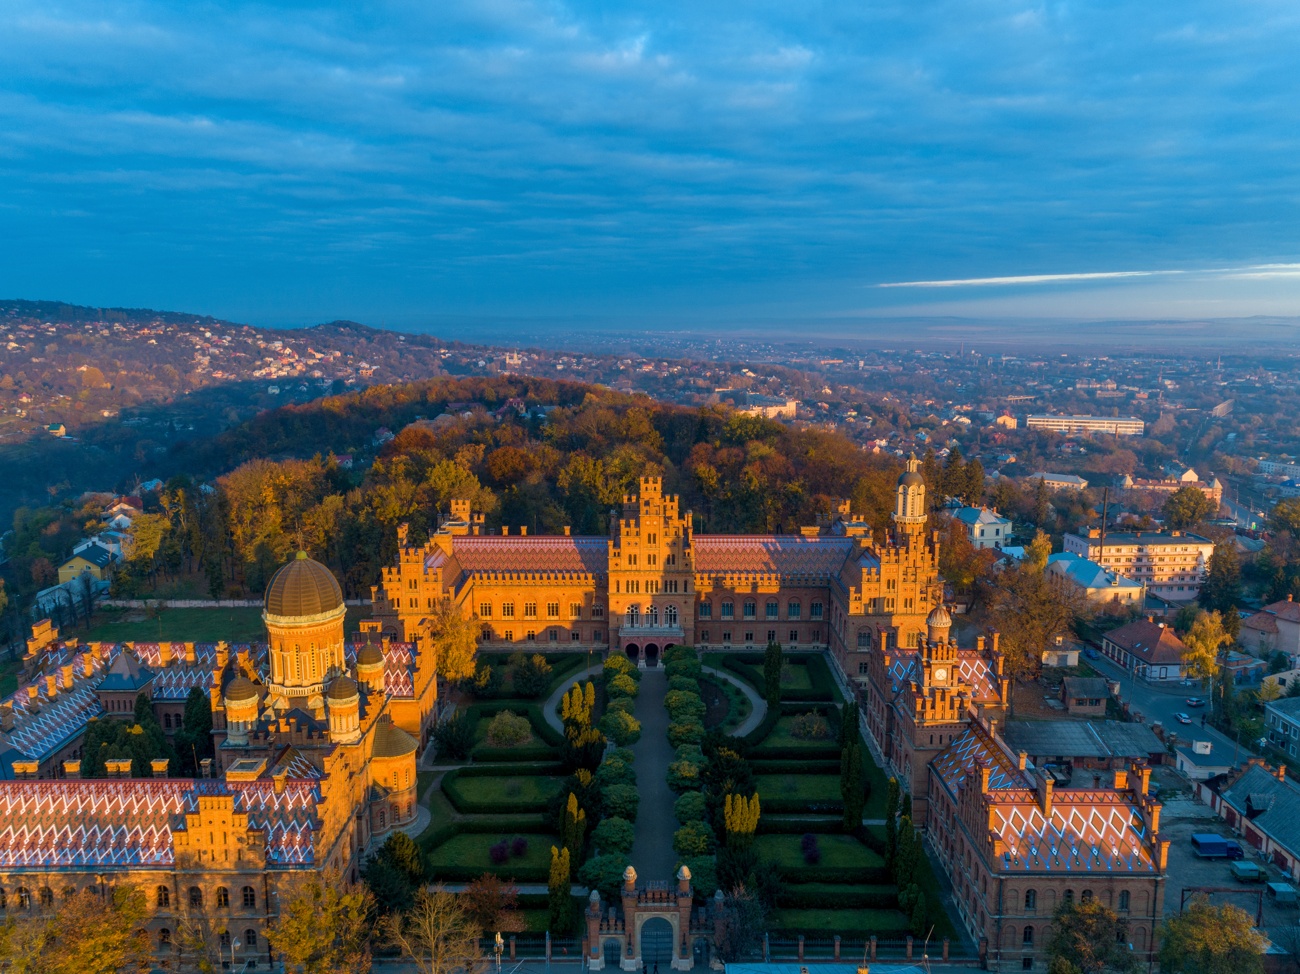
pixel 388 161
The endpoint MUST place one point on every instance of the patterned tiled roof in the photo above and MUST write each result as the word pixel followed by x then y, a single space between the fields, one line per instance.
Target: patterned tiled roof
pixel 490 553
pixel 399 664
pixel 973 668
pixel 37 734
pixel 721 554
pixel 974 749
pixel 95 824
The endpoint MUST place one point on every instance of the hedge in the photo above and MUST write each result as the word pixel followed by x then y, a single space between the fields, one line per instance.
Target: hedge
pixel 495 824
pixel 530 709
pixel 794 806
pixel 468 806
pixel 783 766
pixel 749 667
pixel 797 825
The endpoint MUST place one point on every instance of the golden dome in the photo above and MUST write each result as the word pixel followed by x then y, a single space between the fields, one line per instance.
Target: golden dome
pixel 939 618
pixel 392 742
pixel 342 689
pixel 240 689
pixel 303 589
pixel 370 655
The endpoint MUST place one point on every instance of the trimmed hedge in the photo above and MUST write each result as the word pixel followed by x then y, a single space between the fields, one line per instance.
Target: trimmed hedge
pixel 868 875
pixel 529 708
pixel 483 825
pixel 798 825
pixel 468 806
pixel 749 667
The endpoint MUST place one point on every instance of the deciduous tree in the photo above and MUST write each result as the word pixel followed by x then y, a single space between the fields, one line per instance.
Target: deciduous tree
pixel 1207 939
pixel 1088 938
pixel 324 926
pixel 437 935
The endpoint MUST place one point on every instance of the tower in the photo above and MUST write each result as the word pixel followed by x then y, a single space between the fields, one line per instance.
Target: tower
pixel 304 614
pixel 909 504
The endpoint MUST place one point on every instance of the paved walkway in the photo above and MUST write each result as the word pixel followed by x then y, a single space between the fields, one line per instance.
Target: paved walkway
pixel 652 852
pixel 758 706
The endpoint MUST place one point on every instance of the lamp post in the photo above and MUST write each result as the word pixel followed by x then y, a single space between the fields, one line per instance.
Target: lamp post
pixel 234 945
pixel 497 947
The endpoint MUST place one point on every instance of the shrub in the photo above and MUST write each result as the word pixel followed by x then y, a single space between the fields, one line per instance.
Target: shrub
pixel 683 683
pixel 531 675
pixel 618 663
pixel 691 807
pixel 812 855
pixel 486 682
pixel 509 730
pixel 689 668
pixel 685 776
pixel 683 704
pixel 614 835
pixel 674 653
pixel 624 754
pixel 622 685
pixel 518 847
pixel 604 873
pixel 620 727
pixel 621 801
pixel 811 726
pixel 454 736
pixel 624 705
pixel 615 772
pixel 499 852
pixel 693 839
pixel 704 874
pixel 688 732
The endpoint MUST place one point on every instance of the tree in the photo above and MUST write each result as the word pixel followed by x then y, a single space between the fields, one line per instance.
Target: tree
pixel 740 924
pixel 493 905
pixel 454 736
pixel 1206 939
pixel 1186 508
pixel 1031 610
pixel 456 639
pixel 1222 589
pixel 559 887
pixel 852 785
pixel 1203 639
pixel 87 933
pixel 1090 939
pixel 891 821
pixel 438 935
pixel 573 827
pixel 324 926
pixel 740 817
pixel 773 661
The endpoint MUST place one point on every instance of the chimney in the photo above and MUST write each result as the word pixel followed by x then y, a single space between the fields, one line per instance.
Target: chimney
pixel 1045 786
pixel 72 769
pixel 979 645
pixel 505 530
pixel 223 655
pixel 1023 758
pixel 1281 772
pixel 159 767
pixel 205 766
pixel 566 530
pixel 66 669
pixel 164 653
pixel 189 653
pixel 7 715
pixel 51 686
pixel 118 767
pixel 278 781
pixel 1121 779
pixel 26 770
pixel 523 530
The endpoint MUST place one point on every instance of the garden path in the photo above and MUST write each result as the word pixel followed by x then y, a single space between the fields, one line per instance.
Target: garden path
pixel 758 706
pixel 652 852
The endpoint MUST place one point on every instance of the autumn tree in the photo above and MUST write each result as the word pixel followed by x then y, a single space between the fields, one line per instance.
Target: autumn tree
pixel 1186 507
pixel 437 935
pixel 324 926
pixel 455 638
pixel 1206 939
pixel 88 932
pixel 493 905
pixel 740 925
pixel 1030 610
pixel 740 818
pixel 1203 640
pixel 1089 938
pixel 560 889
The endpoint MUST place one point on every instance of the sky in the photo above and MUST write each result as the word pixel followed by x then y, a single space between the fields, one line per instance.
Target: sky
pixel 677 163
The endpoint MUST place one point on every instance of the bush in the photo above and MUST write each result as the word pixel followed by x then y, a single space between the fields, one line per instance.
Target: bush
pixel 518 847
pixel 622 686
pixel 684 684
pixel 509 730
pixel 688 732
pixel 704 874
pixel 621 801
pixel 618 663
pixel 812 854
pixel 623 705
pixel 683 704
pixel 811 726
pixel 486 682
pixel 604 873
pixel 612 771
pixel 620 727
pixel 454 737
pixel 675 653
pixel 685 776
pixel 499 852
pixel 691 807
pixel 614 835
pixel 688 668
pixel 693 839
pixel 531 675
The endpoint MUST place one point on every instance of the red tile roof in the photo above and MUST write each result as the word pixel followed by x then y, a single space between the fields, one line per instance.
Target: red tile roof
pixel 489 553
pixel 720 554
pixel 1149 642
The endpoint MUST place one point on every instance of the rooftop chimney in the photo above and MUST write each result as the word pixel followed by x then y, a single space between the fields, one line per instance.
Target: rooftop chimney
pixel 72 769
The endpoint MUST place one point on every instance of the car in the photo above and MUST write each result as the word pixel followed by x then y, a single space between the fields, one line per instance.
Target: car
pixel 1194 702
pixel 1183 718
pixel 1091 653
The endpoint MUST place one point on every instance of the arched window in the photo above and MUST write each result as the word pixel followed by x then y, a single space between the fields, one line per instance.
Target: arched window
pixel 652 615
pixel 163 895
pixel 250 939
pixel 69 893
pixel 1028 938
pixel 47 897
pixel 250 898
pixel 1031 900
pixel 771 609
pixel 670 615
pixel 167 721
pixel 196 897
pixel 223 897
pixel 1123 901
pixel 1087 896
pixel 751 609
pixel 24 898
pixel 383 822
pixel 864 638
pixel 728 609
pixel 225 939
pixel 1068 898
pixel 633 615
pixel 4 903
pixel 164 937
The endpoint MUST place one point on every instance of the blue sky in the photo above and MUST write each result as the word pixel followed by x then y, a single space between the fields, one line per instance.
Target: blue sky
pixel 686 162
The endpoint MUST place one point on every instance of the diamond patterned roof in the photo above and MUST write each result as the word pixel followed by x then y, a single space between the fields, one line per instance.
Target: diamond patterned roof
pixel 748 554
pixel 973 668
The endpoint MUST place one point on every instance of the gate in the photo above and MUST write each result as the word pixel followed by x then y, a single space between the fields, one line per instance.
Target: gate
pixel 657 944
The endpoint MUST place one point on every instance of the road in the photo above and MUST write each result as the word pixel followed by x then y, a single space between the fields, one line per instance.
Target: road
pixel 1161 703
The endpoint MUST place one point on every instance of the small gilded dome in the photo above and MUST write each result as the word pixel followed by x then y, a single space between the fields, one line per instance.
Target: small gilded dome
pixel 911 478
pixel 240 689
pixel 370 655
pixel 344 688
pixel 392 742
pixel 939 618
pixel 304 588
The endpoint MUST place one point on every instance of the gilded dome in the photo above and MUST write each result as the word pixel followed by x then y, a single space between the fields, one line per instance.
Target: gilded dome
pixel 342 689
pixel 370 655
pixel 911 478
pixel 240 689
pixel 939 618
pixel 392 742
pixel 303 589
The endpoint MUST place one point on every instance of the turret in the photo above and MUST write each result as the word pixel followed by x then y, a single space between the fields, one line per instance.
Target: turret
pixel 909 504
pixel 344 704
pixel 241 699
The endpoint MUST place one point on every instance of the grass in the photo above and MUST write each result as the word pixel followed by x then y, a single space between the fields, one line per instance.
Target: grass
pixel 238 625
pixel 794 676
pixel 507 788
pixel 808 787
pixel 9 671
pixel 836 850
pixel 843 922
pixel 470 850
pixel 782 734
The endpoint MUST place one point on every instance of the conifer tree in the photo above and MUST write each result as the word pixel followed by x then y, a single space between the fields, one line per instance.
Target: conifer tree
pixel 740 816
pixel 560 889
pixel 891 822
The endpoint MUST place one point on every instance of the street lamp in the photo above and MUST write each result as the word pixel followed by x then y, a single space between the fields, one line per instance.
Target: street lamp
pixel 234 945
pixel 497 947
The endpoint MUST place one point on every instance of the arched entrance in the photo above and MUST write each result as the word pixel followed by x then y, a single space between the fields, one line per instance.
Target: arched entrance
pixel 657 943
pixel 651 654
pixel 613 956
pixel 633 651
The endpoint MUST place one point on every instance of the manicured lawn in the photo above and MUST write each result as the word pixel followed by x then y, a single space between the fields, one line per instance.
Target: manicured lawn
pixel 470 851
pixel 794 676
pixel 481 730
pixel 843 922
pixel 836 850
pixel 507 788
pixel 808 787
pixel 783 734
pixel 240 625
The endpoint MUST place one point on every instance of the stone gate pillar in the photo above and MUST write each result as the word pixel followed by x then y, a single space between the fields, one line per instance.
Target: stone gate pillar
pixel 631 959
pixel 595 952
pixel 682 959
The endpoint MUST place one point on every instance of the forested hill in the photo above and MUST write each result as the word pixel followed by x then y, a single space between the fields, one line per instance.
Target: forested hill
pixel 527 452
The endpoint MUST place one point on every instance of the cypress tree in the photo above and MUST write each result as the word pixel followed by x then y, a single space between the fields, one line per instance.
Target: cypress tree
pixel 772 663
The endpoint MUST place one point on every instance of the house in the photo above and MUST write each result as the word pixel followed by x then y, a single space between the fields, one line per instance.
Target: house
pixel 1096 583
pixel 1147 649
pixel 1199 762
pixel 92 559
pixel 57 429
pixel 1244 669
pixel 1058 481
pixel 1171 564
pixel 986 528
pixel 1085 696
pixel 1264 806
pixel 1282 724
pixel 1274 627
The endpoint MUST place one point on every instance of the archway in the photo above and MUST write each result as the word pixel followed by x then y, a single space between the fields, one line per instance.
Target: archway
pixel 657 943
pixel 633 651
pixel 613 954
pixel 651 654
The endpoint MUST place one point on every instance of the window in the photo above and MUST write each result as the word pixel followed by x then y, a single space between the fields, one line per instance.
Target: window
pixel 815 611
pixel 1027 964
pixel 24 898
pixel 485 610
pixel 167 721
pixel 1123 901
pixel 751 609
pixel 1031 900
pixel 163 897
pixel 652 539
pixel 1087 896
pixel 575 610
pixel 793 610
pixel 771 609
pixel 575 636
pixel 553 635
pixel 704 635
pixel 196 896
pixel 794 635
pixel 863 668
pixel 728 610
pixel 250 898
pixel 598 612
pixel 508 635
pixel 47 897
pixel 726 635
pixel 864 638
pixel 771 636
pixel 1068 897
pixel 250 939
pixel 223 897
pixel 1028 938
pixel 670 615
pixel 552 610
pixel 749 637
pixel 651 560
pixel 706 610
pixel 531 635
pixel 530 610
pixel 225 939
pixel 164 938
pixel 507 610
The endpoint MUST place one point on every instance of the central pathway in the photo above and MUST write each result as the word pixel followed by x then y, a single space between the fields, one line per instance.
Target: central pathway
pixel 652 852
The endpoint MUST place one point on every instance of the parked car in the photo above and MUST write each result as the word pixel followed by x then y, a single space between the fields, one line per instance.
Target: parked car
pixel 1195 702
pixel 1183 718
pixel 1091 653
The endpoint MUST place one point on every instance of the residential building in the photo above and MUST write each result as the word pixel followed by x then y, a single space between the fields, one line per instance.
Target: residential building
pixel 1085 696
pixel 1274 628
pixel 1171 564
pixel 1098 585
pixel 986 528
pixel 1117 425
pixel 1213 490
pixel 57 429
pixel 1199 761
pixel 1148 650
pixel 769 407
pixel 1006 422
pixel 1263 804
pixel 93 560
pixel 1058 481
pixel 1282 724
pixel 1279 468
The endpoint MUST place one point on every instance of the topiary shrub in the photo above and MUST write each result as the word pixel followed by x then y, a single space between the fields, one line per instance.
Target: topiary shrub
pixel 617 663
pixel 622 686
pixel 509 730
pixel 626 705
pixel 531 676
pixel 612 771
pixel 812 854
pixel 614 835
pixel 704 874
pixel 621 801
pixel 604 873
pixel 811 726
pixel 620 727
pixel 688 732
pixel 693 839
pixel 683 704
pixel 685 776
pixel 683 683
pixel 691 807
pixel 691 669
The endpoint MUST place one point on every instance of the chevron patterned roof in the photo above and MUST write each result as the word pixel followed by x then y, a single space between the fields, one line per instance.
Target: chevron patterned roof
pixel 548 553
pixel 749 554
